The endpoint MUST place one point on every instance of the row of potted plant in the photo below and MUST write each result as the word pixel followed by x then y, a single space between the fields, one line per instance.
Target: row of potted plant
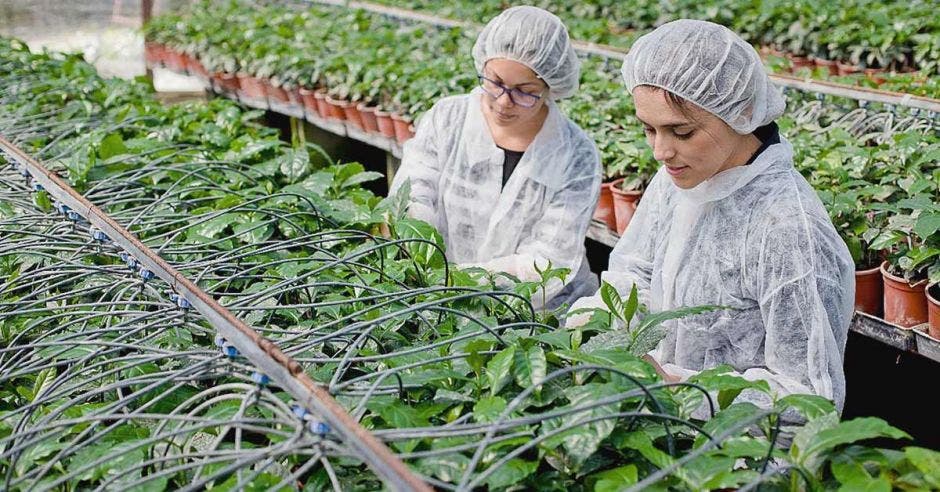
pixel 857 33
pixel 601 107
pixel 315 103
pixel 362 68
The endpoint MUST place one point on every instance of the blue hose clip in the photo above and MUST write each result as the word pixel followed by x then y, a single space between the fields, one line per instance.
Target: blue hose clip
pixel 319 428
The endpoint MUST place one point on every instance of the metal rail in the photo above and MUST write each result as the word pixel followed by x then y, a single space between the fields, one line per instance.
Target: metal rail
pixel 263 353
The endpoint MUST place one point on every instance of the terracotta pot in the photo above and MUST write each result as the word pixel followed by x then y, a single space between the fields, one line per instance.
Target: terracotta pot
pixel 252 86
pixel 174 60
pixel 869 291
pixel 800 62
pixel 153 53
pixel 400 125
pixel 225 82
pixel 905 304
pixel 323 107
pixel 278 94
pixel 830 65
pixel 625 203
pixel 876 75
pixel 412 130
pixel 384 122
pixel 352 114
pixel 367 113
pixel 195 67
pixel 335 108
pixel 933 310
pixel 847 69
pixel 310 102
pixel 605 207
pixel 294 98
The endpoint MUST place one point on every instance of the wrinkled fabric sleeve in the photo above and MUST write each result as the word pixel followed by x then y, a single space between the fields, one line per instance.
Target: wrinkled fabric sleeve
pixel 422 164
pixel 558 236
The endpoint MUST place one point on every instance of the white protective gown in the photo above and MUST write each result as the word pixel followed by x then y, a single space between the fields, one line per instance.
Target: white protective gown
pixel 542 214
pixel 757 239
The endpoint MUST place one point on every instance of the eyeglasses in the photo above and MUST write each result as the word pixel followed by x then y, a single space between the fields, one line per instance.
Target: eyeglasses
pixel 496 91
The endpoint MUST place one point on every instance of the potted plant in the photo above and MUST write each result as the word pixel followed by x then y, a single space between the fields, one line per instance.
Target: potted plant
pixel 913 244
pixel 637 166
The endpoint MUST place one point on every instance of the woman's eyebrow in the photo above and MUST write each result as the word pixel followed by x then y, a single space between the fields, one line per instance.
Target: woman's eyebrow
pixel 667 125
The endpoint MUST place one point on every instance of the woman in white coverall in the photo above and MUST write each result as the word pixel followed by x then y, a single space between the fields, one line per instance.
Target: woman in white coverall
pixel 728 221
pixel 507 179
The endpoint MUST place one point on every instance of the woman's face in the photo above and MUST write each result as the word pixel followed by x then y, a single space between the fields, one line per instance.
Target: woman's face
pixel 514 75
pixel 692 143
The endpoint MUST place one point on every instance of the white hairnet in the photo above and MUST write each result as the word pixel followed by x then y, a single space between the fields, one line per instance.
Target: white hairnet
pixel 709 66
pixel 535 38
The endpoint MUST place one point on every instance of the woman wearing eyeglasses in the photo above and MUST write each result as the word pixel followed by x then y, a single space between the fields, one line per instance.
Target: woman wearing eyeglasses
pixel 504 176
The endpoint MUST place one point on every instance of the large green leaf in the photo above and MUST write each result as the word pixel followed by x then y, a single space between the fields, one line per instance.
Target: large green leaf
pixel 530 366
pixel 499 369
pixel 615 480
pixel 424 253
pixel 582 440
pixel 927 461
pixel 511 473
pixel 295 164
pixel 810 406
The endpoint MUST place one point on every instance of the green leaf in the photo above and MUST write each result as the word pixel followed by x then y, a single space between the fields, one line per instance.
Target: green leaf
pixel 615 480
pixel 43 380
pixel 498 369
pixel 295 164
pixel 810 406
pixel 511 473
pixel 254 231
pixel 927 462
pixel 397 414
pixel 727 419
pixel 424 253
pixel 640 441
pixel 612 300
pixel 254 148
pixel 488 409
pixel 42 200
pixel 448 468
pixel 362 177
pixel 111 145
pixel 727 385
pixel 530 367
pixel 582 440
pixel 927 224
